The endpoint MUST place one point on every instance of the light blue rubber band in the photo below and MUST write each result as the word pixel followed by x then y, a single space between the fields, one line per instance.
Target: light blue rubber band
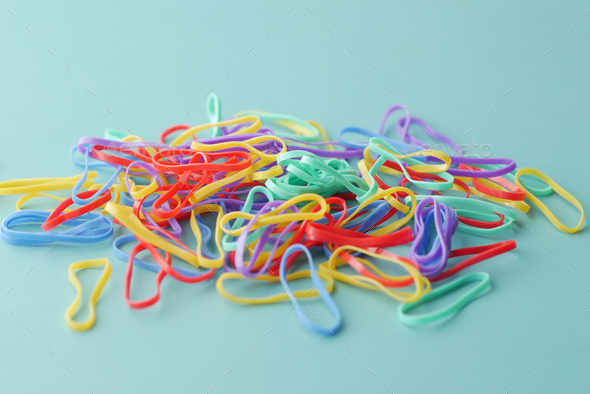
pixel 82 164
pixel 91 227
pixel 319 285
pixel 78 185
pixel 399 146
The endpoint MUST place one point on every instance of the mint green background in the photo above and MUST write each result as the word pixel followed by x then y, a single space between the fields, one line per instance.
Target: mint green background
pixel 449 61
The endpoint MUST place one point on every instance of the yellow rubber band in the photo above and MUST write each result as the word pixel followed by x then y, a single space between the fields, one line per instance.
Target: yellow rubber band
pixel 520 205
pixel 275 297
pixel 204 261
pixel 244 119
pixel 125 215
pixel 272 217
pixel 323 133
pixel 93 300
pixel 248 145
pixel 423 168
pixel 559 190
pixel 362 165
pixel 422 284
pixel 379 195
pixel 34 185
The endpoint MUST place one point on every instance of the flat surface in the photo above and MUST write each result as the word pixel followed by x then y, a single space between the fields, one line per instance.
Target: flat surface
pixel 515 73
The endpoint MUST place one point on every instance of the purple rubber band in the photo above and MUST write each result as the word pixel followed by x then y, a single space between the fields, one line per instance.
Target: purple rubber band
pixel 435 260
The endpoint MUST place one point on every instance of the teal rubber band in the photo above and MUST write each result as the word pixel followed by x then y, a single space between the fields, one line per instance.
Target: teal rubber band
pixel 308 173
pixel 342 178
pixel 483 232
pixel 284 189
pixel 226 243
pixel 114 135
pixel 469 206
pixel 450 310
pixel 213 108
pixel 385 155
pixel 536 191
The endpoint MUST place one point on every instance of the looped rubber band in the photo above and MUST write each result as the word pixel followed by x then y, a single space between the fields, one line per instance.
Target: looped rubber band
pixel 93 300
pixel 324 295
pixel 556 188
pixel 449 310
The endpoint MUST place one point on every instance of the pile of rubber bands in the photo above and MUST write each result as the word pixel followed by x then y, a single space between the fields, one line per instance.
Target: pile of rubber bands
pixel 279 190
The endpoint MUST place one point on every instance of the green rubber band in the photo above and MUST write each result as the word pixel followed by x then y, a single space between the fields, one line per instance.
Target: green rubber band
pixel 385 155
pixel 483 232
pixel 469 206
pixel 226 243
pixel 536 191
pixel 114 135
pixel 213 108
pixel 308 173
pixel 450 310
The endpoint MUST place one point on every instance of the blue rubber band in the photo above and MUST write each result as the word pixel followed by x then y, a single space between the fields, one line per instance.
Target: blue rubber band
pixel 319 285
pixel 78 185
pixel 91 227
pixel 82 164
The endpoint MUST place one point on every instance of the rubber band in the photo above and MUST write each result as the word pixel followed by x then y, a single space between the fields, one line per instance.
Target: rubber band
pixel 93 300
pixel 275 297
pixel 324 295
pixel 35 185
pixel 449 310
pixel 304 131
pixel 278 192
pixel 556 188
pixel 91 227
pixel 422 285
pixel 255 120
pixel 158 280
pixel 433 262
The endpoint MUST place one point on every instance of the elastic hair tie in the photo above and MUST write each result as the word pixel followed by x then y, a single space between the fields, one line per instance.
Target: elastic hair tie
pixel 449 310
pixel 324 294
pixel 93 300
